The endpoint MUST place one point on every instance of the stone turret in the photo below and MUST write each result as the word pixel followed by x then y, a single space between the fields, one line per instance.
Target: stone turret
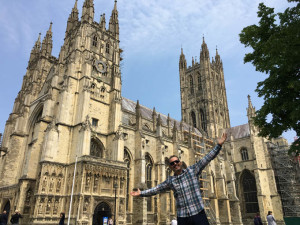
pixel 204 53
pixel 102 22
pixel 88 11
pixel 36 50
pixel 47 43
pixel 114 22
pixel 73 18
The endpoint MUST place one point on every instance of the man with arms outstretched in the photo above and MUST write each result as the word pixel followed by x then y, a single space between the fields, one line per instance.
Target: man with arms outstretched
pixel 186 187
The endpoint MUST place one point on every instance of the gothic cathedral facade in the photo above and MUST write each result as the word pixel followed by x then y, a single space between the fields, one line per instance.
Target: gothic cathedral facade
pixel 73 144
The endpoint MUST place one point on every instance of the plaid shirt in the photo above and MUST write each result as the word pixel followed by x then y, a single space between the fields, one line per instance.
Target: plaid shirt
pixel 186 186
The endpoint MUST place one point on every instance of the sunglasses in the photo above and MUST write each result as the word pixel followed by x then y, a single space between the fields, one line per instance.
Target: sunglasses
pixel 173 163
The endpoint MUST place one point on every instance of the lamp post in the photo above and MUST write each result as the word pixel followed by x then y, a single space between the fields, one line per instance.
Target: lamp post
pixel 115 187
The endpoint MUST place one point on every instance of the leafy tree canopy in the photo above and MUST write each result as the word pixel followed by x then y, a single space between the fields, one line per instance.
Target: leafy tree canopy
pixel 276 51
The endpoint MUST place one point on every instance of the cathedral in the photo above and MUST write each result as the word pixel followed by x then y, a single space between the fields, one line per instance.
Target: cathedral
pixel 73 144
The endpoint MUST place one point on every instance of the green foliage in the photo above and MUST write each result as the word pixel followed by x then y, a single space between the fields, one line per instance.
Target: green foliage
pixel 276 51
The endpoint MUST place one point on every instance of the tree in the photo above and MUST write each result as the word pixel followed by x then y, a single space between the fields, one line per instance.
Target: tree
pixel 276 51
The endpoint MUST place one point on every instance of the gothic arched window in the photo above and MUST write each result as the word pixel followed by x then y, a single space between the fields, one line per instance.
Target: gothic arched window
pixel 203 120
pixel 96 148
pixel 127 160
pixel 249 192
pixel 149 166
pixel 244 154
pixel 107 48
pixel 193 115
pixel 95 41
pixel 199 82
pixel 191 85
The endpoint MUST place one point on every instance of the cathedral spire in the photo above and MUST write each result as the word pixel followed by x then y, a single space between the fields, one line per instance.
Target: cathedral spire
pixel 36 48
pixel 88 11
pixel 73 17
pixel 37 45
pixel 47 43
pixel 204 53
pixel 74 13
pixel 217 57
pixel 250 110
pixel 103 22
pixel 182 60
pixel 114 21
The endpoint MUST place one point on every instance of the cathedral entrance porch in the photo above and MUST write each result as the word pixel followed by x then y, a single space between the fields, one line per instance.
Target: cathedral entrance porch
pixel 102 210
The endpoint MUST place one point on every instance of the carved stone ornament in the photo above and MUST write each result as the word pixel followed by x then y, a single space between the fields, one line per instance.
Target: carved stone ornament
pixel 86 125
pixel 52 126
pixel 119 134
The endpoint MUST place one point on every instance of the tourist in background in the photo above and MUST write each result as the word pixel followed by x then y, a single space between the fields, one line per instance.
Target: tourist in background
pixel 62 219
pixel 174 221
pixel 271 219
pixel 15 218
pixel 257 219
pixel 3 218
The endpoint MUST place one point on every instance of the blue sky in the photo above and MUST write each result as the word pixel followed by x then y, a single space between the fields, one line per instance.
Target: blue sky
pixel 151 34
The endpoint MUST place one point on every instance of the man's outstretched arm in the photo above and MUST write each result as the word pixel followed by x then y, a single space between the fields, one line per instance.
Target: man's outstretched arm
pixel 135 193
pixel 152 191
pixel 210 156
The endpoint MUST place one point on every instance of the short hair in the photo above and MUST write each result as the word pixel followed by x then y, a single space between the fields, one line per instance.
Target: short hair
pixel 172 156
pixel 269 212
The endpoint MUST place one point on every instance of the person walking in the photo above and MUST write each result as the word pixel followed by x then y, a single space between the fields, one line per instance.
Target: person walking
pixel 257 219
pixel 186 187
pixel 62 219
pixel 110 221
pixel 174 221
pixel 3 218
pixel 271 219
pixel 15 218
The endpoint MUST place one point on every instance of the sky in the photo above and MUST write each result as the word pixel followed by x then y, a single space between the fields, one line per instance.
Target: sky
pixel 152 33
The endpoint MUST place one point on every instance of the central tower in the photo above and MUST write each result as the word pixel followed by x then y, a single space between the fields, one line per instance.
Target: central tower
pixel 203 93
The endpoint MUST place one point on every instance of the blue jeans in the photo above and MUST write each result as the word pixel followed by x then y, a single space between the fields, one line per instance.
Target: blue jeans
pixel 199 219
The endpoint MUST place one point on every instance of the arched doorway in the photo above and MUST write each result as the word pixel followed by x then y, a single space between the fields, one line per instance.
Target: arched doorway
pixel 102 210
pixel 6 208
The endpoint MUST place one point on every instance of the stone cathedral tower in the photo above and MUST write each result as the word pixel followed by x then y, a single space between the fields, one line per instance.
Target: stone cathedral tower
pixel 65 107
pixel 203 93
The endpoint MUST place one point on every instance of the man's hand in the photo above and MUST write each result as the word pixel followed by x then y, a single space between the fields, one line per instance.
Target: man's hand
pixel 222 139
pixel 135 193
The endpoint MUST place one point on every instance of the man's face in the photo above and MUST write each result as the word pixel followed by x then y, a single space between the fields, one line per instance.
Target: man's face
pixel 4 212
pixel 175 165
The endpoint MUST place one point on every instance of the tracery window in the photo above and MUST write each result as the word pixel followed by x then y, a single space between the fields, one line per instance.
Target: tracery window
pixel 149 166
pixel 107 48
pixel 95 41
pixel 191 85
pixel 203 120
pixel 193 115
pixel 34 125
pixel 96 148
pixel 250 192
pixel 199 83
pixel 244 154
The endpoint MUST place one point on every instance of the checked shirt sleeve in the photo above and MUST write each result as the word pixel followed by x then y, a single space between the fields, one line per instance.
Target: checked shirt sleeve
pixel 162 187
pixel 197 167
